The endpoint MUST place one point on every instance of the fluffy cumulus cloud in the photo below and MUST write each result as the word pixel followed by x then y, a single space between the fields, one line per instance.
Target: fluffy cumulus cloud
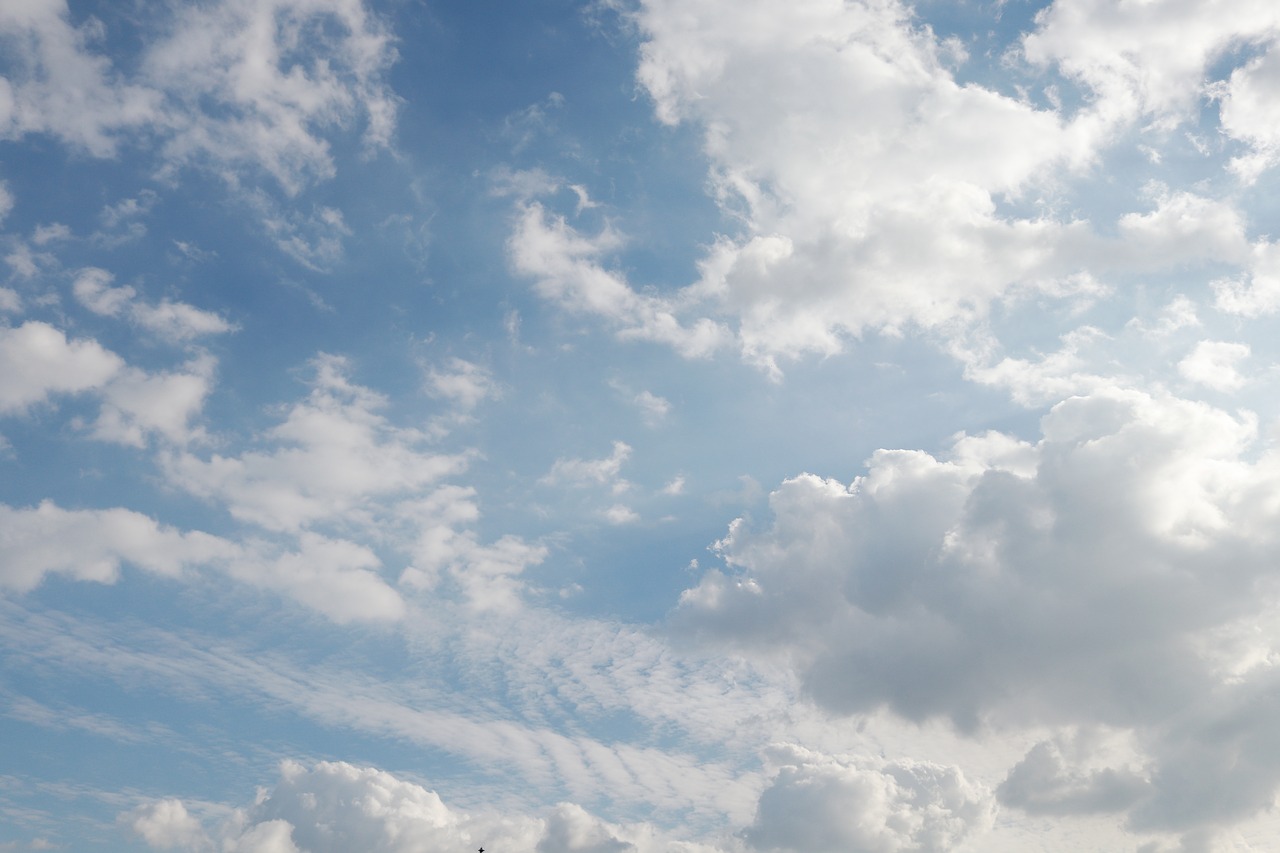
pixel 821 803
pixel 814 802
pixel 334 807
pixel 1105 575
pixel 38 364
pixel 37 361
pixel 815 123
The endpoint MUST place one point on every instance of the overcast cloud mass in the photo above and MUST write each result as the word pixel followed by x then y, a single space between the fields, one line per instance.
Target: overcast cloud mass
pixel 639 426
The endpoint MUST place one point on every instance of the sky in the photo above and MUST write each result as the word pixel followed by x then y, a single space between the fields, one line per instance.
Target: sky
pixel 639 426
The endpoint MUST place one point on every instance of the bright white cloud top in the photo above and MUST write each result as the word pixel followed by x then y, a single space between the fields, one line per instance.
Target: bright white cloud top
pixel 639 425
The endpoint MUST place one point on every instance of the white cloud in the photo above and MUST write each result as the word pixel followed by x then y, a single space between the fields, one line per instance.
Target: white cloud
pixel 137 404
pixel 1093 578
pixel 166 825
pixel 253 84
pixel 487 575
pixel 335 807
pixel 465 383
pixel 1144 60
pixel 237 86
pixel 653 408
pixel 1213 365
pixel 567 267
pixel 1257 292
pixel 37 361
pixel 1249 112
pixel 583 472
pixel 620 514
pixel 93 290
pixel 58 85
pixel 819 802
pixel 334 577
pixel 173 321
pixel 334 459
pixel 90 545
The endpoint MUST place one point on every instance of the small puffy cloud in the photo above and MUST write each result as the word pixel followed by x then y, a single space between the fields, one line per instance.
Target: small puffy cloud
pixel 37 361
pixel 173 321
pixel 464 383
pixel 653 409
pixel 166 825
pixel 1213 365
pixel 93 290
pixel 819 802
pixel 585 472
pixel 619 514
pixel 332 459
pixel 51 233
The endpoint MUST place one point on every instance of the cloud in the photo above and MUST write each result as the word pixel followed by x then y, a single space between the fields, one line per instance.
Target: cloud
pixel 818 802
pixel 1213 365
pixel 334 458
pixel 583 472
pixel 56 84
pixel 335 807
pixel 166 825
pixel 1102 576
pixel 653 409
pixel 176 322
pixel 567 268
pixel 137 404
pixel 1045 783
pixel 90 545
pixel 1143 61
pixel 440 543
pixel 37 361
pixel 461 381
pixel 334 577
pixel 1248 112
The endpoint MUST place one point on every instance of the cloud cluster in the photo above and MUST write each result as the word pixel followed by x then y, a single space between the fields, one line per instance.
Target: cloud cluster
pixel 871 190
pixel 233 85
pixel 815 802
pixel 1117 572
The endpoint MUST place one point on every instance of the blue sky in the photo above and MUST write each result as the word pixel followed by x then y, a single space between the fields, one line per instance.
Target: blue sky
pixel 588 427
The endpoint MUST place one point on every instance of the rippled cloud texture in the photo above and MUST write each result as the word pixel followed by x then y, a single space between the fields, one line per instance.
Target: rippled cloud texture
pixel 639 426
